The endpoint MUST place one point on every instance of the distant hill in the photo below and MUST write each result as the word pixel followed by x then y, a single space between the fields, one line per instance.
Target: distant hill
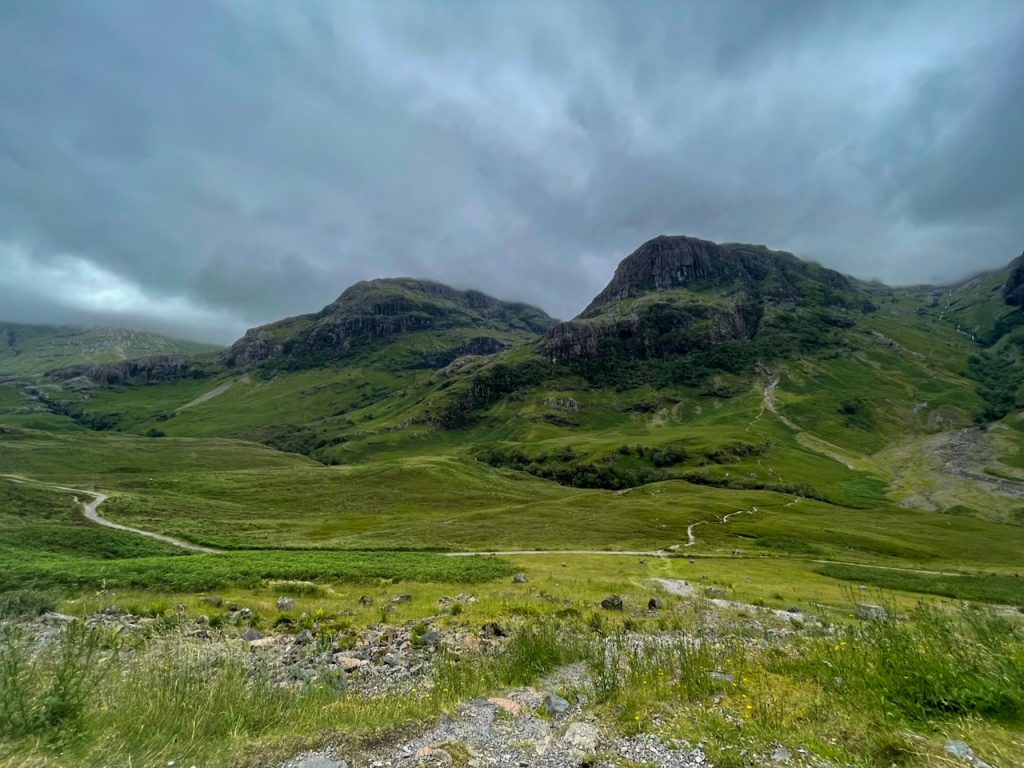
pixel 375 312
pixel 31 350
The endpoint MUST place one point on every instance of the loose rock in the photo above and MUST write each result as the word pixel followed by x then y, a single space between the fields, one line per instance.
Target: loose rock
pixel 612 603
pixel 870 612
pixel 555 705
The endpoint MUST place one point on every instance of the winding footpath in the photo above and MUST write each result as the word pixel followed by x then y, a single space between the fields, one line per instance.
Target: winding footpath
pixel 91 511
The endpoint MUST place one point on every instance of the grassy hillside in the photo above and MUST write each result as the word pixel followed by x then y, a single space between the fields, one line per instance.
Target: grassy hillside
pixel 759 453
pixel 30 350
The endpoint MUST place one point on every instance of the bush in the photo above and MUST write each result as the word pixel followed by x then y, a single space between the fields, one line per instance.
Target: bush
pixel 25 604
pixel 44 694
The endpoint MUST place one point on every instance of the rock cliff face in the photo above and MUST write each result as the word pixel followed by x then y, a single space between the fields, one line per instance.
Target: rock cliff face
pixel 654 331
pixel 375 311
pixel 1013 291
pixel 712 294
pixel 670 262
pixel 150 370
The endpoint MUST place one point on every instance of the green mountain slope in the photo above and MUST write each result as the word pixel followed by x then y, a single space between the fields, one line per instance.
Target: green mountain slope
pixel 727 366
pixel 30 350
pixel 375 312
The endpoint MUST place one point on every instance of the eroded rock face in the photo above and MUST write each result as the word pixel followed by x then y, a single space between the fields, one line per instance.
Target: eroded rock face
pixel 732 286
pixel 657 329
pixel 375 310
pixel 256 346
pixel 669 262
pixel 148 370
pixel 1013 291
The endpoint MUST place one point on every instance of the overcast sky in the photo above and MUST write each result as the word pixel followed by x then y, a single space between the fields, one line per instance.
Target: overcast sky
pixel 200 167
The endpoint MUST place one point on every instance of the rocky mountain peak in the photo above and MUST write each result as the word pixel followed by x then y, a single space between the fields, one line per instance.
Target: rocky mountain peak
pixel 670 262
pixel 675 315
pixel 371 312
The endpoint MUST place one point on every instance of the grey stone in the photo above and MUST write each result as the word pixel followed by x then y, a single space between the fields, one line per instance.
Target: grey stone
pixel 252 634
pixel 494 629
pixel 305 637
pixel 584 737
pixel 962 750
pixel 319 761
pixel 519 578
pixel 654 604
pixel 51 617
pixel 555 705
pixel 781 755
pixel 286 603
pixel 365 600
pixel 722 677
pixel 612 603
pixel 871 612
pixel 432 639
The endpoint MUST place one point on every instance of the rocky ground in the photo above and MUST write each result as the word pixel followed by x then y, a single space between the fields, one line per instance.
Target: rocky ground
pixel 526 727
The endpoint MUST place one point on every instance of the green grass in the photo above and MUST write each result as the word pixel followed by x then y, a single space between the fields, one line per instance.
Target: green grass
pixel 196 573
pixel 39 522
pixel 987 588
pixel 30 350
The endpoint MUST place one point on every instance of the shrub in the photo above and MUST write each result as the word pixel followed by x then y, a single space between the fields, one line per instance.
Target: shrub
pixel 44 694
pixel 25 604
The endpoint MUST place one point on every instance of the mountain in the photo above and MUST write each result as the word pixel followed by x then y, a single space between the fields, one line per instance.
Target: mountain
pixel 729 365
pixel 681 295
pixel 30 350
pixel 377 311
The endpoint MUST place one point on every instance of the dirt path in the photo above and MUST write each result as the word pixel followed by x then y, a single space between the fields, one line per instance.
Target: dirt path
pixel 91 511
pixel 216 392
pixel 616 552
pixel 812 442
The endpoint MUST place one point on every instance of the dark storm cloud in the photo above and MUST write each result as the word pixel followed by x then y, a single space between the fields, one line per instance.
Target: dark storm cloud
pixel 203 166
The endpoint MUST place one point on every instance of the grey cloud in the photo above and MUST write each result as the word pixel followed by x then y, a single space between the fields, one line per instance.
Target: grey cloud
pixel 246 160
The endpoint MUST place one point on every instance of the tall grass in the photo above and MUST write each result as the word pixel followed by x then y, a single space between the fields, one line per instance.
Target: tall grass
pixel 532 652
pixel 989 588
pixel 939 665
pixel 44 694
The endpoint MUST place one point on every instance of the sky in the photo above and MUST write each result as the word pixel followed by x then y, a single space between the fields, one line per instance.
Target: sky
pixel 198 167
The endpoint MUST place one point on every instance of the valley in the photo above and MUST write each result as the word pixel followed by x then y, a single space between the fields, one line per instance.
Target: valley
pixel 743 448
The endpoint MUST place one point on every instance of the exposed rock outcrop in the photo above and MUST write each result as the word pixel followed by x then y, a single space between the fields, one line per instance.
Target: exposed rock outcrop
pixel 1013 291
pixel 712 294
pixel 668 262
pixel 375 311
pixel 148 370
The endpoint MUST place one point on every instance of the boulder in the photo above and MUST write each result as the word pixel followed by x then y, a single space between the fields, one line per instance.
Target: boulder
pixel 584 737
pixel 654 604
pixel 612 603
pixel 494 629
pixel 286 603
pixel 348 663
pixel 871 612
pixel 519 578
pixel 555 705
